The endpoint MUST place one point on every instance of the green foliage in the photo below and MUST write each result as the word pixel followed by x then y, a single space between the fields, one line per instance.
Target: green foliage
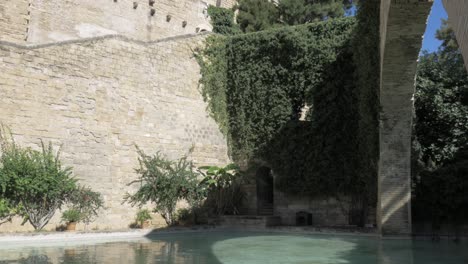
pixel 448 38
pixel 440 143
pixel 366 58
pixel 143 215
pixel 87 202
pixel 6 211
pixel 72 215
pixel 441 102
pixel 317 157
pixel 36 181
pixel 222 20
pixel 213 65
pixel 257 15
pixel 295 12
pixel 225 195
pixel 440 195
pixel 162 182
pixel 271 75
pixel 331 67
pixel 183 214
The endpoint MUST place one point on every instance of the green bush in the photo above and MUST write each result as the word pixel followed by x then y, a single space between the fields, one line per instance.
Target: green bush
pixel 257 85
pixel 36 181
pixel 224 192
pixel 87 202
pixel 72 216
pixel 222 20
pixel 143 215
pixel 441 195
pixel 184 214
pixel 6 211
pixel 162 182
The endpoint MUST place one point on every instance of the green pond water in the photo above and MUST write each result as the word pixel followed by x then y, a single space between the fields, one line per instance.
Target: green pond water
pixel 240 247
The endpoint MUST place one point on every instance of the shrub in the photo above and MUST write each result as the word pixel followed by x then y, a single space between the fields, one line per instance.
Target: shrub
pixel 440 195
pixel 222 20
pixel 87 202
pixel 6 211
pixel 72 215
pixel 162 182
pixel 225 195
pixel 143 215
pixel 184 215
pixel 34 180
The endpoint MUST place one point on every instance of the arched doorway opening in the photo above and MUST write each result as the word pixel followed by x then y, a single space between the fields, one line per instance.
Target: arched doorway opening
pixel 265 193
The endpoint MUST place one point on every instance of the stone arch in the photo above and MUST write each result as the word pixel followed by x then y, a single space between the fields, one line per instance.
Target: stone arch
pixel 204 28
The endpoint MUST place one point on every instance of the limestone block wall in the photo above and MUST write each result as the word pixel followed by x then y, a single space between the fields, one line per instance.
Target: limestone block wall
pixel 98 98
pixel 226 3
pixel 325 212
pixel 405 25
pixel 14 18
pixel 58 20
pixel 458 19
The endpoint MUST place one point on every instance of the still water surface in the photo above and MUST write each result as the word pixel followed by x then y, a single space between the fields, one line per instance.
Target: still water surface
pixel 216 247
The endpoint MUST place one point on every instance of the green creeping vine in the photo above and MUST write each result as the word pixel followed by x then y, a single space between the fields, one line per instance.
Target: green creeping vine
pixel 258 84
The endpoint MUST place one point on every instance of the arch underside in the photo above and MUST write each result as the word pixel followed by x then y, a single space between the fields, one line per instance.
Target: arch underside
pixel 402 25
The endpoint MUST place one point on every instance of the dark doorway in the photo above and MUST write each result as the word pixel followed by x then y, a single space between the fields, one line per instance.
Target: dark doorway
pixel 264 191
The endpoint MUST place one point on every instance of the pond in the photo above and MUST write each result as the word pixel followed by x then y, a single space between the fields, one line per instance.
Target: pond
pixel 216 247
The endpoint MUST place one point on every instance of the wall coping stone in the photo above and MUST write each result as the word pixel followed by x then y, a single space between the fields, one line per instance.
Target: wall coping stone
pixel 120 37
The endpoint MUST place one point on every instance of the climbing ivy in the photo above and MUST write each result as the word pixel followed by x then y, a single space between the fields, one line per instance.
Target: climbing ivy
pixel 258 84
pixel 271 73
pixel 222 20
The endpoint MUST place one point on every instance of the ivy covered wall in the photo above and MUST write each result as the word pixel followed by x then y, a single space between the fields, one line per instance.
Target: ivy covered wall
pixel 258 84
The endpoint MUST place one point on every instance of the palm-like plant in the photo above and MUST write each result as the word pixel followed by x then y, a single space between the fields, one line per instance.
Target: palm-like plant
pixel 225 194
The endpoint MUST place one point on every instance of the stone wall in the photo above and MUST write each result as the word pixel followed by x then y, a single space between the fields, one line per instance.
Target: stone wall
pixel 227 3
pixel 14 17
pixel 325 212
pixel 402 26
pixel 98 98
pixel 458 19
pixel 58 20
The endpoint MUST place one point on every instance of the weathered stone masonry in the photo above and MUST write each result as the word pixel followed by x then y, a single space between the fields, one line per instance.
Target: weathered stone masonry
pixel 14 19
pixel 40 21
pixel 99 97
pixel 402 25
pixel 458 19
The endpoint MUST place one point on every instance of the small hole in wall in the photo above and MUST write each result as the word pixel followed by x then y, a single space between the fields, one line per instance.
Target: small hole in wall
pixel 115 1
pixel 151 2
pixel 168 18
pixel 184 24
pixel 135 5
pixel 152 12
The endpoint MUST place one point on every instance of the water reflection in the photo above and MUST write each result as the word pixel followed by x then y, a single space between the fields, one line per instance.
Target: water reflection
pixel 239 247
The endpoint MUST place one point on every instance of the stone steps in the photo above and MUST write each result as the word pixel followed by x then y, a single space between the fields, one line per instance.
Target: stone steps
pixel 249 221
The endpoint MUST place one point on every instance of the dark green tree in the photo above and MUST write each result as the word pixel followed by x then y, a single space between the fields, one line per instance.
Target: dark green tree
pixel 294 12
pixel 256 15
pixel 441 105
pixel 440 178
pixel 222 20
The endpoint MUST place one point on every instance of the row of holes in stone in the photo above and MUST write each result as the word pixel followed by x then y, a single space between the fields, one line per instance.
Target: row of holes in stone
pixel 153 11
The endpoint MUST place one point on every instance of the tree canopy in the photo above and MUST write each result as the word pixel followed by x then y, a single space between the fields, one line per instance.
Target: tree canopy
pixel 256 15
pixel 441 101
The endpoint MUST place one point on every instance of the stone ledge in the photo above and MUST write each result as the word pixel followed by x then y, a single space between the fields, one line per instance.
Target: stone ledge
pixel 122 38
